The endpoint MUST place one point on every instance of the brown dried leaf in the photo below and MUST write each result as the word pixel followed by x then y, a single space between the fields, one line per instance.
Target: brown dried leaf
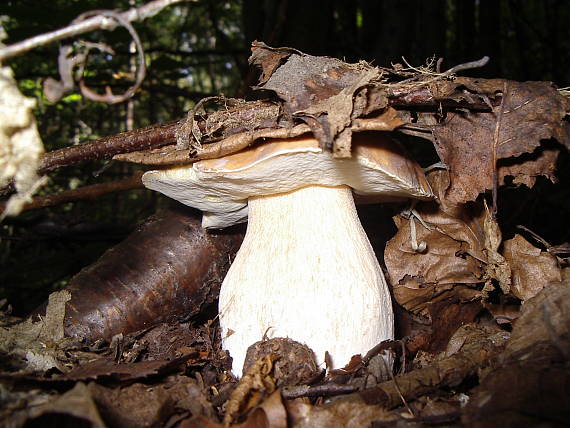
pixel 532 111
pixel 341 413
pixel 454 255
pixel 532 269
pixel 324 92
pixel 69 409
pixel 268 58
pixel 143 405
pixel 40 344
pixel 275 410
pixel 545 317
pixel 526 168
pixel 106 368
pixel 249 392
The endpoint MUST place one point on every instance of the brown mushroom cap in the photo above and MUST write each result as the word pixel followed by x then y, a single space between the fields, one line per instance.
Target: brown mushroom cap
pixel 379 167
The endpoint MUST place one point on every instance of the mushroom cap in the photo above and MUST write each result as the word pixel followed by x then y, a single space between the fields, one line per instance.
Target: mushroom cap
pixel 379 168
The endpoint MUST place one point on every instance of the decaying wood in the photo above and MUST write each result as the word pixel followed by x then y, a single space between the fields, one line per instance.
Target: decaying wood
pixel 165 271
pixel 469 349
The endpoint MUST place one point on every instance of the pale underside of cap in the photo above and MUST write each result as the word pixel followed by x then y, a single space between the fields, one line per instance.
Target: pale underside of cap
pixel 221 187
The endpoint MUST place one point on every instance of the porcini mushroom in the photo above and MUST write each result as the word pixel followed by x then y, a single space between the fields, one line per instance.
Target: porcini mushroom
pixel 305 269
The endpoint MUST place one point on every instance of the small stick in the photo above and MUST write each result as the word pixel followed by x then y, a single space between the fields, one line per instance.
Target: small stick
pixel 325 390
pixel 83 193
pixel 94 23
pixel 496 135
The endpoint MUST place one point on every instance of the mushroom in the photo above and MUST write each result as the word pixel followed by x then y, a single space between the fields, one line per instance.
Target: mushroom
pixel 305 269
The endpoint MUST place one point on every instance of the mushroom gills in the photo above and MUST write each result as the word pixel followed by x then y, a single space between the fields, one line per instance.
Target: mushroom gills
pixel 305 271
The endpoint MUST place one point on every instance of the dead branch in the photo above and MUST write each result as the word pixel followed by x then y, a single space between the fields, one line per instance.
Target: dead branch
pixel 326 390
pixel 83 193
pixel 98 22
pixel 139 139
pixel 478 348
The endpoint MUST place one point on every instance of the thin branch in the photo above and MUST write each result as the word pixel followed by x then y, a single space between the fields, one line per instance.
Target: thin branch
pixel 326 390
pixel 468 65
pixel 83 193
pixel 98 22
pixel 496 136
pixel 139 139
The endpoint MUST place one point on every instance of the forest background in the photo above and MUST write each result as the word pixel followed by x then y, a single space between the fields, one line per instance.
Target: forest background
pixel 200 48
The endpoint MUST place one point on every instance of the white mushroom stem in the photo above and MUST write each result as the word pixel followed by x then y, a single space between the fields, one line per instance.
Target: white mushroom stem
pixel 306 271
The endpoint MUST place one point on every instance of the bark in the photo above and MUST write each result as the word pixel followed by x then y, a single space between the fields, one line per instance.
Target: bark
pixel 165 271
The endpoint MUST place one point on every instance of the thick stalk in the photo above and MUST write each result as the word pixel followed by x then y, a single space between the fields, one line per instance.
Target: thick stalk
pixel 306 271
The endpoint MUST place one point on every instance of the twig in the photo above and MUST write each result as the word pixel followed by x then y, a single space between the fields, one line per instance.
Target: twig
pixel 468 65
pixel 150 137
pixel 552 249
pixel 496 135
pixel 99 22
pixel 109 97
pixel 325 390
pixel 83 193
pixel 408 408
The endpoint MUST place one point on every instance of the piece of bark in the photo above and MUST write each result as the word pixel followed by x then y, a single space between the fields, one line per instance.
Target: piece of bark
pixel 167 270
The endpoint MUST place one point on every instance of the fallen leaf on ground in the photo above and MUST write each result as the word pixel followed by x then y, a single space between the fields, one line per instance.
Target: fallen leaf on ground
pixel 532 269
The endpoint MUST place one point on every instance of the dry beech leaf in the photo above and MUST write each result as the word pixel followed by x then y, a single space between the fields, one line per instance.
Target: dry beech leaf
pixel 324 92
pixel 40 343
pixel 545 317
pixel 532 111
pixel 532 269
pixel 275 410
pixel 140 404
pixel 455 252
pixel 106 368
pixel 341 413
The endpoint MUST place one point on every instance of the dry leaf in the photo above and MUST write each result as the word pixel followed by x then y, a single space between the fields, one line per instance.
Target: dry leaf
pixel 20 144
pixel 532 111
pixel 454 254
pixel 140 405
pixel 106 368
pixel 324 92
pixel 532 269
pixel 39 342
pixel 68 410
